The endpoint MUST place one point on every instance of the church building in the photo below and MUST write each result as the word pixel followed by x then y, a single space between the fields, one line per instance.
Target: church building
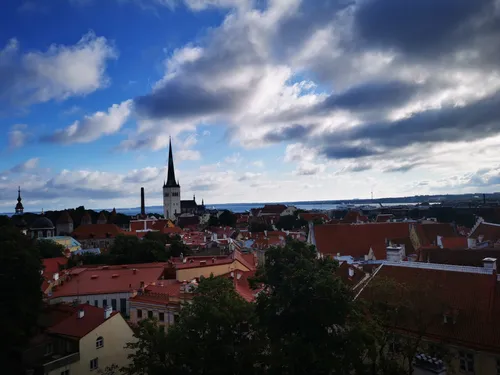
pixel 172 204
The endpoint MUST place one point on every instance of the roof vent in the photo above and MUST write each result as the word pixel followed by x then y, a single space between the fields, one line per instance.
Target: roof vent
pixel 203 262
pixel 81 313
pixel 115 275
pixel 94 276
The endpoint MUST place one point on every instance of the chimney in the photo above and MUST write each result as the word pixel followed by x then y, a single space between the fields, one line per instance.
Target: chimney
pixel 134 271
pixel 394 253
pixel 141 284
pixel 143 207
pixel 490 263
pixel 81 313
pixel 107 312
pixel 427 365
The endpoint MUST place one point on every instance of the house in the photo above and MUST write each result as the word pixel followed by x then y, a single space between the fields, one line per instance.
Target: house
pixel 314 216
pixel 384 218
pixel 76 340
pixel 483 232
pixel 42 227
pixel 452 306
pixel 51 270
pixel 272 209
pixel 459 257
pixel 191 267
pixel 457 242
pixel 97 235
pixel 162 301
pixel 361 241
pixel 426 234
pixel 69 243
pixel 290 210
pixel 104 286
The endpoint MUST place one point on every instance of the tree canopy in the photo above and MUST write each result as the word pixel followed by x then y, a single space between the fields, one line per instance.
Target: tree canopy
pixel 49 249
pixel 227 219
pixel 20 279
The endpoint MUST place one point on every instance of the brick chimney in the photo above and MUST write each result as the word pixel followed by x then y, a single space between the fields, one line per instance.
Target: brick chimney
pixel 143 206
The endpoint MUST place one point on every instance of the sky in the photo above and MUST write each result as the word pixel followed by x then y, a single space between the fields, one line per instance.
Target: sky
pixel 265 100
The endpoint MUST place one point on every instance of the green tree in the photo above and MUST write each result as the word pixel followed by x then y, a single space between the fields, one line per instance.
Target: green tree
pixel 5 221
pixel 307 315
pixel 49 249
pixel 259 227
pixel 213 221
pixel 227 219
pixel 289 222
pixel 20 280
pixel 149 355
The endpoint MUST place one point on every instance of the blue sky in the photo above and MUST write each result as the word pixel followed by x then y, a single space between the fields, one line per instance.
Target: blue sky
pixel 265 100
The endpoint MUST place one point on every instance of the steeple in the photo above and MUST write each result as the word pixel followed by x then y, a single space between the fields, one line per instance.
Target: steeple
pixel 171 171
pixel 19 205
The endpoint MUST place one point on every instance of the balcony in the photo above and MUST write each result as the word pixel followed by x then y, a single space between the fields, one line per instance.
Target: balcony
pixel 55 363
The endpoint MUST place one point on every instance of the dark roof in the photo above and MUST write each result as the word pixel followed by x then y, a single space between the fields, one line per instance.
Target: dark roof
pixel 489 231
pixel 188 220
pixel 42 223
pixel 471 299
pixel 428 232
pixel 102 231
pixel 171 182
pixel 188 204
pixel 459 257
pixel 273 209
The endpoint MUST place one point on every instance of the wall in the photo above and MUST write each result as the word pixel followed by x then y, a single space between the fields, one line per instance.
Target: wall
pixel 171 204
pixel 168 310
pixel 99 298
pixel 216 270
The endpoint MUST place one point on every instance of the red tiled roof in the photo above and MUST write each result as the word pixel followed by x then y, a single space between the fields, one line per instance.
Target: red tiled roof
pixel 108 279
pixel 87 231
pixel 460 257
pixel 474 297
pixel 351 217
pixel 489 232
pixel 343 273
pixel 159 294
pixel 454 242
pixel 428 233
pixel 51 265
pixel 273 209
pixel 172 230
pixel 79 327
pixel 383 218
pixel 357 239
pixel 241 285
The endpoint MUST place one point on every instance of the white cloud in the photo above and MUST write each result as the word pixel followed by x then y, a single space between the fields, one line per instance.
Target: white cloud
pixel 234 158
pixel 26 166
pixel 94 126
pixel 57 73
pixel 18 136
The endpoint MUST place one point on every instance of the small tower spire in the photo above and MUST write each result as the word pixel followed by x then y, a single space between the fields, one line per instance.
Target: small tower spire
pixel 171 182
pixel 19 205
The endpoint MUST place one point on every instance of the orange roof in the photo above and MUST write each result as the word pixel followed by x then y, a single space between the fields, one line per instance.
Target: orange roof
pixel 472 294
pixel 108 279
pixel 454 242
pixel 159 293
pixel 79 327
pixel 351 217
pixel 428 232
pixel 87 231
pixel 51 265
pixel 357 239
pixel 241 285
pixel 488 231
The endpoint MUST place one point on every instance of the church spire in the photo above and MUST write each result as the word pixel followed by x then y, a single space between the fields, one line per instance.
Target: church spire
pixel 19 205
pixel 171 171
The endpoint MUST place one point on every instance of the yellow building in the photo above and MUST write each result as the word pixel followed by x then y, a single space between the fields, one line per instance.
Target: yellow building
pixel 82 340
pixel 68 242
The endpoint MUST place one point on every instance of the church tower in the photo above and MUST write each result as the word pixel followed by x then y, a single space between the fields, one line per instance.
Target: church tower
pixel 19 205
pixel 171 190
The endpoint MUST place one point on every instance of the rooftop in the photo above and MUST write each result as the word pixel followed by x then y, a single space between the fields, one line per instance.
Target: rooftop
pixel 108 279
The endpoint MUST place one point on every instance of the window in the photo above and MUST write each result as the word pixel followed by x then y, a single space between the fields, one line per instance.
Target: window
pixel 94 363
pixel 40 234
pixel 123 306
pixel 113 304
pixel 150 314
pixel 139 314
pixel 161 317
pixel 166 194
pixel 467 362
pixel 104 303
pixel 96 303
pixel 49 349
pixel 65 372
pixel 99 343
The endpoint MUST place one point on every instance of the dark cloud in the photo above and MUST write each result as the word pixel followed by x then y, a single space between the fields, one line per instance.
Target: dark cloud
pixel 402 168
pixel 179 100
pixel 289 133
pixel 358 167
pixel 339 151
pixel 420 28
pixel 474 121
pixel 370 96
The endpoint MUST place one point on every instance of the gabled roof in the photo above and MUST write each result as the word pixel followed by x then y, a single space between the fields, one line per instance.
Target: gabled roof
pixel 357 239
pixel 460 257
pixel 428 232
pixel 470 295
pixel 87 231
pixel 276 209
pixel 76 327
pixel 189 204
pixel 489 232
pixel 311 216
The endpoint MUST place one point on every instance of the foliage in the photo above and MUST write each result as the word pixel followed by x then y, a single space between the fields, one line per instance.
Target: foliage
pixel 109 370
pixel 213 221
pixel 20 278
pixel 289 222
pixel 49 249
pixel 149 355
pixel 227 219
pixel 307 315
pixel 259 227
pixel 5 221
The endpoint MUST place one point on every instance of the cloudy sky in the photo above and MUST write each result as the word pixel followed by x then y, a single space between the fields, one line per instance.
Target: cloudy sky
pixel 265 100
